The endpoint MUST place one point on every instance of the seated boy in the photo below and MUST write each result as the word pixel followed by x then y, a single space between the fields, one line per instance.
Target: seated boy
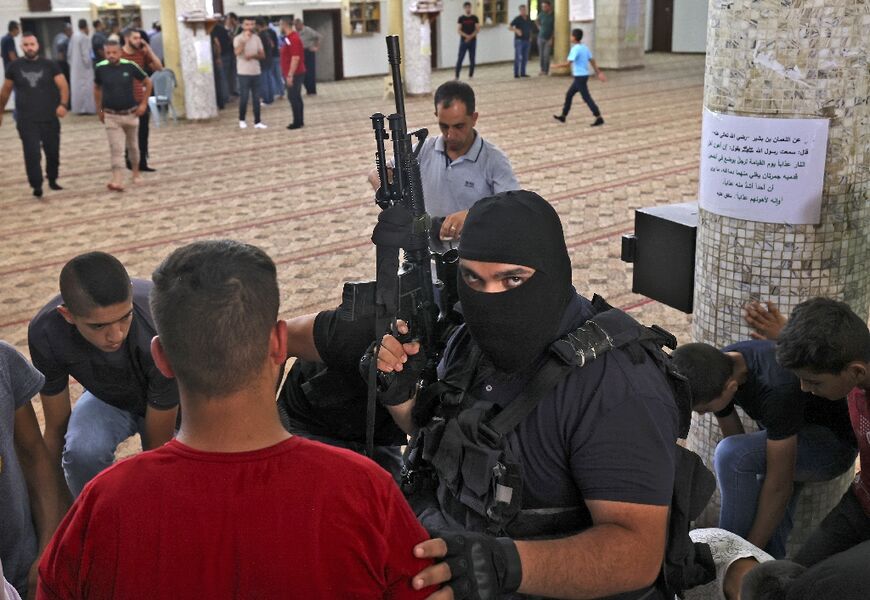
pixel 802 438
pixel 828 347
pixel 33 496
pixel 99 331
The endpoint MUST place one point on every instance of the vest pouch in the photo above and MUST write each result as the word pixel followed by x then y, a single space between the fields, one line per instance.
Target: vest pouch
pixel 483 478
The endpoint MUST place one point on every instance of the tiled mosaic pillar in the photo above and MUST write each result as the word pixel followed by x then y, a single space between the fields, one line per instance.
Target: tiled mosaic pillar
pixel 200 99
pixel 417 52
pixel 802 58
pixel 619 33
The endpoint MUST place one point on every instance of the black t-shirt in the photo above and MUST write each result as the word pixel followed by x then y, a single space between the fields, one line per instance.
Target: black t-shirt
pixel 219 32
pixel 772 396
pixel 468 23
pixel 524 25
pixel 268 48
pixel 329 398
pixel 117 83
pixel 7 45
pixel 276 50
pixel 36 94
pixel 98 40
pixel 127 378
pixel 607 431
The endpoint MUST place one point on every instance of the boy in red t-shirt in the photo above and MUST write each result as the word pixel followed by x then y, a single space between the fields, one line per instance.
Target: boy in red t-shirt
pixel 234 507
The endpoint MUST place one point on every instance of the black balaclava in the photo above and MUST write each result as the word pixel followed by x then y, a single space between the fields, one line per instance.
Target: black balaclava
pixel 514 327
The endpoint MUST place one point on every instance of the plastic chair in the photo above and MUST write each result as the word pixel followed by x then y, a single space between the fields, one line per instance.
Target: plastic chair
pixel 164 86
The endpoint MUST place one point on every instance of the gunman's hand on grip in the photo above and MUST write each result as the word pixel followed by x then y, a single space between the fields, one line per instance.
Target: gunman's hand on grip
pixel 399 365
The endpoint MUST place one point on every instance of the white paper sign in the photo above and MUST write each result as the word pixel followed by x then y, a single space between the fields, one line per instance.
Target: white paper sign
pixel 758 169
pixel 203 55
pixel 581 10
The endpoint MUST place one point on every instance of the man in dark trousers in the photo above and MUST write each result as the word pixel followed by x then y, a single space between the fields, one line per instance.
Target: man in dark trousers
pixel 137 50
pixel 41 95
pixel 522 28
pixel 293 70
pixel 311 43
pixel 468 27
pixel 7 46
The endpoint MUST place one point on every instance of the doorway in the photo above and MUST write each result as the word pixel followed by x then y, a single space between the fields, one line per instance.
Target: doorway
pixel 663 25
pixel 433 25
pixel 45 30
pixel 329 62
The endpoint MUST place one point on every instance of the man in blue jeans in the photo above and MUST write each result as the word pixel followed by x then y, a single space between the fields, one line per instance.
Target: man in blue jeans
pixel 468 27
pixel 580 58
pixel 522 28
pixel 802 437
pixel 99 331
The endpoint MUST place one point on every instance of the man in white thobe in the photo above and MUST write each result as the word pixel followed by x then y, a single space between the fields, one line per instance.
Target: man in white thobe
pixel 81 71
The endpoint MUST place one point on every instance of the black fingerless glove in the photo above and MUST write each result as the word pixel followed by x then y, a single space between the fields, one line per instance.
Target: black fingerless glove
pixel 482 567
pixel 397 387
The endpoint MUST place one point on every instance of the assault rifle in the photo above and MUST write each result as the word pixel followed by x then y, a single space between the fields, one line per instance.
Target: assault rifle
pixel 405 291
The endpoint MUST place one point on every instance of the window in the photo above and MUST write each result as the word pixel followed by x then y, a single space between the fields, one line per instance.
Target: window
pixel 361 17
pixel 495 12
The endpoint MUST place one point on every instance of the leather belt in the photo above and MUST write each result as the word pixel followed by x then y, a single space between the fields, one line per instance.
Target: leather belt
pixel 129 111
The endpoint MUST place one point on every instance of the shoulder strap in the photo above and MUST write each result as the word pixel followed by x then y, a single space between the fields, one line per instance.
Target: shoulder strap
pixel 609 328
pixel 514 413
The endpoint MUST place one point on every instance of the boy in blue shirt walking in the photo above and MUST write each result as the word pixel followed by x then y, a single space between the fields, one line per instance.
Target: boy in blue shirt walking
pixel 580 58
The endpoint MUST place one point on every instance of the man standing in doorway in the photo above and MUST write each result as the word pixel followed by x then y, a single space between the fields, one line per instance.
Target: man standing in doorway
pixel 249 52
pixel 60 49
pixel 224 63
pixel 522 28
pixel 138 51
pixel 97 41
pixel 545 35
pixel 293 70
pixel 9 53
pixel 468 28
pixel 311 43
pixel 119 110
pixel 41 95
pixel 81 72
pixel 7 46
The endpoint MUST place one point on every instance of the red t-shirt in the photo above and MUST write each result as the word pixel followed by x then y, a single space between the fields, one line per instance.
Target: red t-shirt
pixel 140 58
pixel 292 47
pixel 295 520
pixel 859 412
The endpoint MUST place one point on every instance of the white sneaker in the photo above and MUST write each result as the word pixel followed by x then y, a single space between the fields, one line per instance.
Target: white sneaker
pixel 260 126
pixel 243 125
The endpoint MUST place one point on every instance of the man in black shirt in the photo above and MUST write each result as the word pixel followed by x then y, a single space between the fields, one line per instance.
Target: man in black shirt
pixel 802 437
pixel 468 28
pixel 590 469
pixel 98 39
pixel 7 46
pixel 99 331
pixel 267 81
pixel 222 56
pixel 118 109
pixel 522 28
pixel 324 396
pixel 41 94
